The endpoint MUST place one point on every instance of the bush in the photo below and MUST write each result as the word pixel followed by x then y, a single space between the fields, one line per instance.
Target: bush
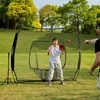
pixel 89 29
pixel 69 29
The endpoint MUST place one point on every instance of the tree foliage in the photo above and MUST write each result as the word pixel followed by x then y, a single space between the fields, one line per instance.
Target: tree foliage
pixel 49 16
pixel 75 13
pixel 62 11
pixel 94 17
pixel 37 25
pixel 23 11
pixel 97 9
pixel 78 12
pixel 3 9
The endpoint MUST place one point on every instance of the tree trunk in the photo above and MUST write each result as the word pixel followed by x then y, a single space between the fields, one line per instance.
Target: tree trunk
pixel 52 28
pixel 7 23
pixel 78 25
pixel 20 25
pixel 14 24
pixel 42 25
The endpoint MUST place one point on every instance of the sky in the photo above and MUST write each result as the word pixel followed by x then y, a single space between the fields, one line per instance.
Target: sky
pixel 40 3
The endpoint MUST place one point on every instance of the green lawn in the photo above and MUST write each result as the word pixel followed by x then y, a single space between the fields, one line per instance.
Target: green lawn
pixel 25 39
pixel 84 90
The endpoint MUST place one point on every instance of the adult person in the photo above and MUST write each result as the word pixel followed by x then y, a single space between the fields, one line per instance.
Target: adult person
pixel 97 60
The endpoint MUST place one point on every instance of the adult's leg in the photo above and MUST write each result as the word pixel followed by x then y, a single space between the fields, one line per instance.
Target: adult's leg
pixel 98 83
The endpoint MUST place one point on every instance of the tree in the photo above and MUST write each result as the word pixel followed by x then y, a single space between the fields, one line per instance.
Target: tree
pixel 49 16
pixel 37 25
pixel 3 9
pixel 43 13
pixel 62 11
pixel 98 12
pixel 53 18
pixel 22 11
pixel 93 15
pixel 77 12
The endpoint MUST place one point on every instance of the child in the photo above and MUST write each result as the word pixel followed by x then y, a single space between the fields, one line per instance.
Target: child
pixel 55 61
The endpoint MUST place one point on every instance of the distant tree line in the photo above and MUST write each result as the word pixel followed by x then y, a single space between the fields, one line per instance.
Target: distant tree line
pixel 14 11
pixel 75 15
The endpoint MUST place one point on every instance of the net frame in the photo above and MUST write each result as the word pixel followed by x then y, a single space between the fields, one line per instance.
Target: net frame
pixel 46 71
pixel 13 61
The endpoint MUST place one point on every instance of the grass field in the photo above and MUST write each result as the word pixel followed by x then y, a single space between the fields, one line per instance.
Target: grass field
pixel 84 90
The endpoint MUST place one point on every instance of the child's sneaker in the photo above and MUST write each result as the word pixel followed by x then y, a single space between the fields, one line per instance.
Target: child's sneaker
pixel 62 83
pixel 49 83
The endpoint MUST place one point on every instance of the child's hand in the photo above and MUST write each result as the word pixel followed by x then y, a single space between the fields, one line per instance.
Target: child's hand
pixel 62 52
pixel 50 48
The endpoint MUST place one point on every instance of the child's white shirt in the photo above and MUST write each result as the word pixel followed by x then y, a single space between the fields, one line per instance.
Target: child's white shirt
pixel 55 54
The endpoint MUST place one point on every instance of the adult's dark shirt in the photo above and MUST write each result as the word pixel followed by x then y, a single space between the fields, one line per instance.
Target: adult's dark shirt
pixel 97 46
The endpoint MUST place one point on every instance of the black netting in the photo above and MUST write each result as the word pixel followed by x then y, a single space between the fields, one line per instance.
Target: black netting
pixel 31 59
pixel 39 61
pixel 32 62
pixel 43 74
pixel 38 58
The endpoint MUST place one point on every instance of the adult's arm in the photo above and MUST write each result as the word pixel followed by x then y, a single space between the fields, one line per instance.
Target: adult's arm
pixel 95 64
pixel 92 41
